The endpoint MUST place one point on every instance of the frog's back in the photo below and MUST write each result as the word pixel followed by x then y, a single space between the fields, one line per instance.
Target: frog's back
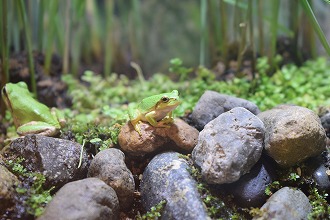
pixel 29 109
pixel 148 104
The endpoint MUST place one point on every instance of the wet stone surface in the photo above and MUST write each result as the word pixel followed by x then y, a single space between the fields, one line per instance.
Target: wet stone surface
pixel 229 146
pixel 109 166
pixel 89 198
pixel 167 178
pixel 249 190
pixel 211 104
pixel 286 203
pixel 293 134
pixel 8 183
pixel 56 159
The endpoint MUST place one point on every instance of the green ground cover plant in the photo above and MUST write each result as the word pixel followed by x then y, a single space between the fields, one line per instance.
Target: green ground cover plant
pixel 104 101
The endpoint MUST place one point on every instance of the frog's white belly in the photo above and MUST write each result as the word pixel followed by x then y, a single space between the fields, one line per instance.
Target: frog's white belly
pixel 158 116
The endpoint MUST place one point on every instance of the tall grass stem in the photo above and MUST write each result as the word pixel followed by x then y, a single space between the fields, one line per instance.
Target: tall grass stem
pixel 251 33
pixel 67 37
pixel 28 35
pixel 273 32
pixel 108 38
pixel 4 51
pixel 308 10
pixel 224 31
pixel 203 32
pixel 261 27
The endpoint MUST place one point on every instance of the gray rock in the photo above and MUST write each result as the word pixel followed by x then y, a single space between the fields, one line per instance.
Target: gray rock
pixel 293 134
pixel 56 159
pixel 211 104
pixel 8 182
pixel 109 166
pixel 167 178
pixel 88 199
pixel 286 203
pixel 229 146
pixel 179 137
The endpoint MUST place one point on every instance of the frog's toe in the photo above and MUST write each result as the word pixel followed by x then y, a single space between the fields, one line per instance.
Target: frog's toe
pixel 136 127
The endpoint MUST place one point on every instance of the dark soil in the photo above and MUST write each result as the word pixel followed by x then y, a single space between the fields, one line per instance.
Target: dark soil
pixel 50 89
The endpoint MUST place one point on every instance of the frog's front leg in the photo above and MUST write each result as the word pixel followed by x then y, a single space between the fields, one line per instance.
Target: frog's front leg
pixel 58 116
pixel 37 127
pixel 134 117
pixel 135 123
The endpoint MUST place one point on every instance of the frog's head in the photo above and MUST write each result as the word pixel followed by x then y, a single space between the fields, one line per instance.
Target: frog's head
pixel 168 101
pixel 12 92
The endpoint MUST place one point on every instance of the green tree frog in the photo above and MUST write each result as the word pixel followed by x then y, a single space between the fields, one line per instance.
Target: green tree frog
pixel 156 109
pixel 29 115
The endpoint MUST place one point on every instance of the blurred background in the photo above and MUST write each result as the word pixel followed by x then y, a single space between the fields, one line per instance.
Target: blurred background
pixel 106 35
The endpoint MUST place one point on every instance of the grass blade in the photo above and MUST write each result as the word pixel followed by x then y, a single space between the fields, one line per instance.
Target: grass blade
pixel 27 32
pixel 67 38
pixel 108 39
pixel 308 10
pixel 273 32
pixel 4 51
pixel 203 32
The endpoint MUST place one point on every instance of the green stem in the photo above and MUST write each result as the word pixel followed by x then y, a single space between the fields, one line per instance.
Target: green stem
pixel 139 73
pixel 203 32
pixel 224 40
pixel 81 153
pixel 40 25
pixel 67 38
pixel 27 32
pixel 273 32
pixel 4 51
pixel 137 30
pixel 212 31
pixel 242 46
pixel 13 22
pixel 261 28
pixel 250 18
pixel 4 45
pixel 108 39
pixel 237 19
pixel 308 10
pixel 52 10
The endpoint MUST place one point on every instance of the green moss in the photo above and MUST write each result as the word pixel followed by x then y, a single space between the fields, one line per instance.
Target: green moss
pixel 31 189
pixel 321 209
pixel 274 186
pixel 154 213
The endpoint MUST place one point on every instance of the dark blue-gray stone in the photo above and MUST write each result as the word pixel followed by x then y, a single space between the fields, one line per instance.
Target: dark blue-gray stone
pixel 321 178
pixel 167 178
pixel 249 190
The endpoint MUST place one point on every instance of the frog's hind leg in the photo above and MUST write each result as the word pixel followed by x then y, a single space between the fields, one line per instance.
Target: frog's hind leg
pixel 37 127
pixel 150 118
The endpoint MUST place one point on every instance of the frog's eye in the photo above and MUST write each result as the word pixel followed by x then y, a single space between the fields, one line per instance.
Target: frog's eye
pixel 165 99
